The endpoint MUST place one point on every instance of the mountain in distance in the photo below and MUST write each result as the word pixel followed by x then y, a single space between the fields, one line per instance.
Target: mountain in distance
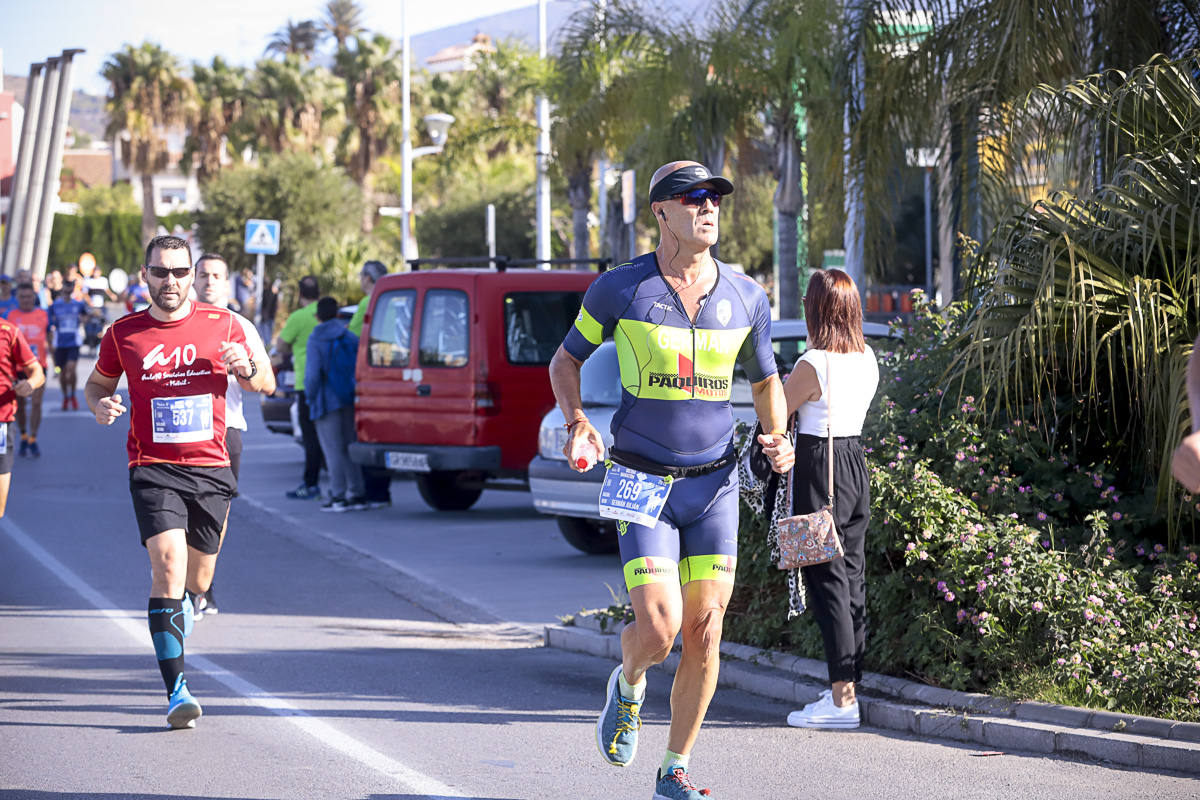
pixel 87 110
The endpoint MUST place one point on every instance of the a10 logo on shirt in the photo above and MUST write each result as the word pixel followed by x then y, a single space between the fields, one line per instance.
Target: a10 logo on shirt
pixel 181 356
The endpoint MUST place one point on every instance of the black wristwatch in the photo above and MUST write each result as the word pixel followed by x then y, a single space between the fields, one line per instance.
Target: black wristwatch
pixel 253 371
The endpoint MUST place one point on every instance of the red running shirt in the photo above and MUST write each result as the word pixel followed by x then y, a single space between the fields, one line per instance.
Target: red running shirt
pixel 33 325
pixel 15 356
pixel 177 383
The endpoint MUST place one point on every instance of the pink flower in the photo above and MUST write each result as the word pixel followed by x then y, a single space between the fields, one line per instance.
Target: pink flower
pixel 924 556
pixel 1037 605
pixel 979 587
pixel 910 547
pixel 1089 614
pixel 1041 515
pixel 949 596
pixel 1117 516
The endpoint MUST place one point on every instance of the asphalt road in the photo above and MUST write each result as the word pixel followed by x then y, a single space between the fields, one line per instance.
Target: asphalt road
pixel 386 654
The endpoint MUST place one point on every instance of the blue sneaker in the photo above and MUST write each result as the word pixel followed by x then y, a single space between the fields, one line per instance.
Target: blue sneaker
pixel 678 786
pixel 617 728
pixel 182 709
pixel 189 613
pixel 303 492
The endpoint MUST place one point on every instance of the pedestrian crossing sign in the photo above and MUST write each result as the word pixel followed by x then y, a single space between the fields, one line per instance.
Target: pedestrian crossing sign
pixel 262 236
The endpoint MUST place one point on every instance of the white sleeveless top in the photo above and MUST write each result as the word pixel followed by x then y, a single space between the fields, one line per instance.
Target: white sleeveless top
pixel 855 379
pixel 234 416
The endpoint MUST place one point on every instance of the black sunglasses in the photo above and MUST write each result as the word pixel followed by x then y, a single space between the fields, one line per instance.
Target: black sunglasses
pixel 161 272
pixel 696 197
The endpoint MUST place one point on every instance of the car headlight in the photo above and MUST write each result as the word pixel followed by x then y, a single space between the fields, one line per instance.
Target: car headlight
pixel 551 440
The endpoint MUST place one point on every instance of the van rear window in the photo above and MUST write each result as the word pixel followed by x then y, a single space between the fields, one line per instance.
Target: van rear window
pixel 445 330
pixel 391 329
pixel 536 322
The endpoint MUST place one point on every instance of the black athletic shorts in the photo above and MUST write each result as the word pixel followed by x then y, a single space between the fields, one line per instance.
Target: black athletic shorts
pixel 11 442
pixel 64 354
pixel 196 499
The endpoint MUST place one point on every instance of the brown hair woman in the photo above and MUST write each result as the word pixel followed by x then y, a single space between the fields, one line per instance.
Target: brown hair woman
pixel 838 363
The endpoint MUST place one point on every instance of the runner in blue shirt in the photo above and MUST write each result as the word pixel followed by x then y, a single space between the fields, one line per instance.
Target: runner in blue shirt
pixel 66 316
pixel 681 321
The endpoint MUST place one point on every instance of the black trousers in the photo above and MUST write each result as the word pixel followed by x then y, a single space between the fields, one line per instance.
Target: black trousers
pixel 837 590
pixel 312 446
pixel 377 484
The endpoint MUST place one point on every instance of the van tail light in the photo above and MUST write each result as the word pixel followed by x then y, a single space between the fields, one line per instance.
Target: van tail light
pixel 487 398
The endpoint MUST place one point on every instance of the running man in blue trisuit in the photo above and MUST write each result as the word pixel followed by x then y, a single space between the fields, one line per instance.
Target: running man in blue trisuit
pixel 681 321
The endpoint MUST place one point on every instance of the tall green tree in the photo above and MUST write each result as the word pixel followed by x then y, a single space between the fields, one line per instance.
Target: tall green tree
pixel 372 73
pixel 148 96
pixel 602 45
pixel 290 106
pixel 295 39
pixel 342 21
pixel 217 113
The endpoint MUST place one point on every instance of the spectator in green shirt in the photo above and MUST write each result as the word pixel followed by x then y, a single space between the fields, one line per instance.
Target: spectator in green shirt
pixel 377 480
pixel 294 339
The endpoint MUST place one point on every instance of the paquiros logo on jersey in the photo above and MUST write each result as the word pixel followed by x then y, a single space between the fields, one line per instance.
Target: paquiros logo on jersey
pixel 688 380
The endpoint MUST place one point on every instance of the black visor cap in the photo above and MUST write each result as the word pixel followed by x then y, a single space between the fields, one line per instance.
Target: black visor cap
pixel 685 179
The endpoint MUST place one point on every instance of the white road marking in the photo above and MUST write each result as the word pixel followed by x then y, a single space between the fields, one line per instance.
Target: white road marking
pixel 133 626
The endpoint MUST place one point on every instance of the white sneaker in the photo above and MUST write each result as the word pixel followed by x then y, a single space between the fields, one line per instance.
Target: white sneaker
pixel 822 713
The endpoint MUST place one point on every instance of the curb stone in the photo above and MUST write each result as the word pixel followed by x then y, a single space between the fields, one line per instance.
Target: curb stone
pixel 929 711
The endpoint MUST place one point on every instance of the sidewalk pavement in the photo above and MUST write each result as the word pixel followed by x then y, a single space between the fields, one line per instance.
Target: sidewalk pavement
pixel 927 711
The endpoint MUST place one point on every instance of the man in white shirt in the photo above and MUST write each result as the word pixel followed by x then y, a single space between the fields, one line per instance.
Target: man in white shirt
pixel 212 286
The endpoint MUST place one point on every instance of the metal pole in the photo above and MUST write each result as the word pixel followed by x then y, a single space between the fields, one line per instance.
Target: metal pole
pixel 41 246
pixel 260 275
pixel 543 153
pixel 929 232
pixel 602 208
pixel 37 164
pixel 406 157
pixel 491 234
pixel 20 184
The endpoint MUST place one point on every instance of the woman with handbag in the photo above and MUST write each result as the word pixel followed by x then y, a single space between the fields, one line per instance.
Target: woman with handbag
pixel 830 390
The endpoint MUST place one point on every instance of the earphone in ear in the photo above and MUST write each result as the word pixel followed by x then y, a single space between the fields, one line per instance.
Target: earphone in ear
pixel 662 213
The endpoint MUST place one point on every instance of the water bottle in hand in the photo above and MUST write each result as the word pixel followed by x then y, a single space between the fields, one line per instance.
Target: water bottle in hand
pixel 585 456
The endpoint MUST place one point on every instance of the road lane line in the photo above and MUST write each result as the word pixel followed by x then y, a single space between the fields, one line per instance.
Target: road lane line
pixel 411 780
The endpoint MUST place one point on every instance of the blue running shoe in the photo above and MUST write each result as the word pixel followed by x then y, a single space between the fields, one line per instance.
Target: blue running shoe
pixel 189 613
pixel 182 709
pixel 617 728
pixel 678 786
pixel 34 450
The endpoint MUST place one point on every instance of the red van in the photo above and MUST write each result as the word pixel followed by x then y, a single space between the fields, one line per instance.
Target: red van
pixel 452 374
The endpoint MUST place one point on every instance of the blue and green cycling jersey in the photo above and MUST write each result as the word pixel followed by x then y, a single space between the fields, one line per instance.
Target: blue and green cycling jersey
pixel 676 375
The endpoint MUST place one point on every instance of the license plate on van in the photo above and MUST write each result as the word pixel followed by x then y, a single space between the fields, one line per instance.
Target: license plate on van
pixel 411 462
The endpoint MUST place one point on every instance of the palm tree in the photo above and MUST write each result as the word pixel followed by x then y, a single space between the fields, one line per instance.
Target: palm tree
pixel 372 72
pixel 221 101
pixel 600 45
pixel 295 38
pixel 1092 298
pixel 290 107
pixel 343 19
pixel 148 95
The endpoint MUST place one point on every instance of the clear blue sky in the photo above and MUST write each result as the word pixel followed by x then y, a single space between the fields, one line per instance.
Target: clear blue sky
pixel 195 30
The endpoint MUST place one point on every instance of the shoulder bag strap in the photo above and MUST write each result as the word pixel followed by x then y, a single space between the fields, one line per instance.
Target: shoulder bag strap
pixel 829 418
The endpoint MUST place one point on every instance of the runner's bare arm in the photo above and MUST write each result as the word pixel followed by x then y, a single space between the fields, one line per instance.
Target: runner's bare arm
pixel 564 380
pixel 98 392
pixel 250 375
pixel 34 377
pixel 771 407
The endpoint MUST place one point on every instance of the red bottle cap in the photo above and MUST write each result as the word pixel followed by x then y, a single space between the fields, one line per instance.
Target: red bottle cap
pixel 581 463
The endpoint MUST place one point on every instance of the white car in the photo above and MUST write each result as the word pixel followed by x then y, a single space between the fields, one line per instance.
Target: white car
pixel 573 497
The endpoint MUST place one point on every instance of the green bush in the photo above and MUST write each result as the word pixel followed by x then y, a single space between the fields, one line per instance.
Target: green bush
pixel 115 239
pixel 993 558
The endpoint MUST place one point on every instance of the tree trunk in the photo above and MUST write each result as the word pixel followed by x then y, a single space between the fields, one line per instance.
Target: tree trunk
pixel 579 194
pixel 789 203
pixel 149 218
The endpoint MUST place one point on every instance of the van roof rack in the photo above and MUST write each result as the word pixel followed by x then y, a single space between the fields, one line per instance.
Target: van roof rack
pixel 502 263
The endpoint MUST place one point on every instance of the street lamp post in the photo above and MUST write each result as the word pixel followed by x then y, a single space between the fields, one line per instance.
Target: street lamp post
pixel 926 159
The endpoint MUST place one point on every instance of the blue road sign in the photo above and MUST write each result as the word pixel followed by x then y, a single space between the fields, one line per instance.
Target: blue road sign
pixel 262 236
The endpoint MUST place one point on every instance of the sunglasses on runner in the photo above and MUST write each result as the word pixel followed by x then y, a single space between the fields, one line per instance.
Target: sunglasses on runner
pixel 696 197
pixel 162 272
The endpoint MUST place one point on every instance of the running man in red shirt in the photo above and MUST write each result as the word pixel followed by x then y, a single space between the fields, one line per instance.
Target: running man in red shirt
pixel 177 356
pixel 15 358
pixel 33 323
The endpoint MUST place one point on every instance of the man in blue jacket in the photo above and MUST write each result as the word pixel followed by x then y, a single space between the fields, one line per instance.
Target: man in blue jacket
pixel 329 390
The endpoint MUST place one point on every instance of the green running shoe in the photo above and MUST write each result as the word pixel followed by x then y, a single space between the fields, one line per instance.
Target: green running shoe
pixel 617 728
pixel 678 786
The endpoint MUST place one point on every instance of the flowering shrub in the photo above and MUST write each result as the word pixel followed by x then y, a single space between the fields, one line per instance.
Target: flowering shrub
pixel 991 555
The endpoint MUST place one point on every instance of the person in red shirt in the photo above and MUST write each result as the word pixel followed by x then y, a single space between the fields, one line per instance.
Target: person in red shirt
pixel 177 356
pixel 15 358
pixel 33 323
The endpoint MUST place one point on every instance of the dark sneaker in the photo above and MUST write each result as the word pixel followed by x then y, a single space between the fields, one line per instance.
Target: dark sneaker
pixel 34 450
pixel 678 786
pixel 355 504
pixel 303 492
pixel 182 708
pixel 617 728
pixel 334 504
pixel 24 451
pixel 210 602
